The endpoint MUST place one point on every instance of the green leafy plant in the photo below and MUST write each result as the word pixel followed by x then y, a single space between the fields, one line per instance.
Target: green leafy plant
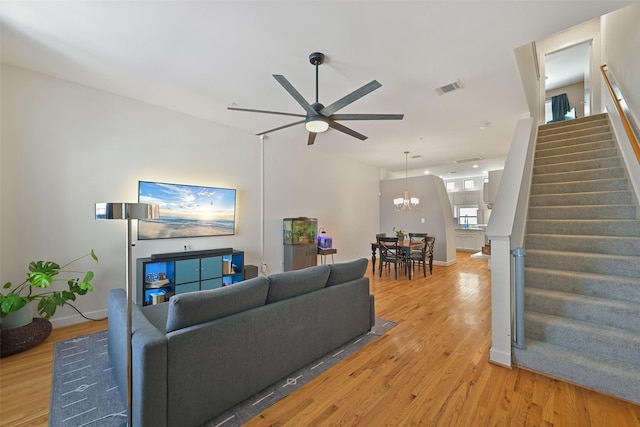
pixel 40 276
pixel 399 233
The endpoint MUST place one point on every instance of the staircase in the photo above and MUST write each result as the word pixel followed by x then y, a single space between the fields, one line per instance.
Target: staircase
pixel 582 263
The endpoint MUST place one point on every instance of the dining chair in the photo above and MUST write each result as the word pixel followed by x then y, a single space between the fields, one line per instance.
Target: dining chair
pixel 390 253
pixel 418 255
pixel 431 241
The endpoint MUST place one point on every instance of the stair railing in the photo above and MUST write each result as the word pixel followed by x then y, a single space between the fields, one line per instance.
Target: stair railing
pixel 518 255
pixel 623 109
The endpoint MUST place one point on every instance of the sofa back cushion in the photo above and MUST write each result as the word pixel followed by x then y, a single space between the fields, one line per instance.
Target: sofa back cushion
pixel 347 271
pixel 293 283
pixel 193 308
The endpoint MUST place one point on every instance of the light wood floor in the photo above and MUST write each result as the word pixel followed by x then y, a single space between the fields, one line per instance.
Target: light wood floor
pixel 432 369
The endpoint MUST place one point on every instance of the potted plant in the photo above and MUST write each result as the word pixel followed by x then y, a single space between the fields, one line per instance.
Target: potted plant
pixel 399 234
pixel 40 276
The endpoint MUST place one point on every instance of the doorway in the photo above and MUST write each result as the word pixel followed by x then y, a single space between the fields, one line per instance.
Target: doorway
pixel 567 71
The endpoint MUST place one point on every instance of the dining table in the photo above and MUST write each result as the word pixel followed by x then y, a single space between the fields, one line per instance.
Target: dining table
pixel 406 244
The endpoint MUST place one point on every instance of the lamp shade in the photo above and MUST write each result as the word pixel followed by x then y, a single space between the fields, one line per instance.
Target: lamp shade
pixel 317 124
pixel 127 211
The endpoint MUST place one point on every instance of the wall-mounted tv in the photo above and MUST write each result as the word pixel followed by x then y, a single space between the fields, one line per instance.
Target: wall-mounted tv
pixel 187 211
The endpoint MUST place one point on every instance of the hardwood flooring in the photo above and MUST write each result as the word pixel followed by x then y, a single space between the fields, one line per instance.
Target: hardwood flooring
pixel 431 369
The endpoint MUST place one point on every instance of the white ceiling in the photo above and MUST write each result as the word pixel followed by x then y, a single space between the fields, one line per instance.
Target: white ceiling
pixel 199 57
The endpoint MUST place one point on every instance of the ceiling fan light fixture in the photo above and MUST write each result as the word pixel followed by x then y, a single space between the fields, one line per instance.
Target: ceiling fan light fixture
pixel 316 124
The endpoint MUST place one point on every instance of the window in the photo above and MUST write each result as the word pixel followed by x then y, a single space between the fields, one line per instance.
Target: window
pixel 469 184
pixel 451 185
pixel 468 215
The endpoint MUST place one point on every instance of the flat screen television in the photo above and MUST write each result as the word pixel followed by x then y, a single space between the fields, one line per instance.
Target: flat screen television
pixel 187 211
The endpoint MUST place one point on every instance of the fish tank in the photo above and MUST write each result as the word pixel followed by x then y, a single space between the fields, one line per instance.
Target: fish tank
pixel 299 231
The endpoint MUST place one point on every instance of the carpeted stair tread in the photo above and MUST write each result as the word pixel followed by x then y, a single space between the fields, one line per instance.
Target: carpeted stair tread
pixel 556 148
pixel 598 311
pixel 581 283
pixel 578 137
pixel 564 126
pixel 613 184
pixel 568 125
pixel 580 175
pixel 619 197
pixel 613 265
pixel 611 245
pixel 597 373
pixel 621 211
pixel 583 337
pixel 595 227
pixel 572 166
pixel 591 155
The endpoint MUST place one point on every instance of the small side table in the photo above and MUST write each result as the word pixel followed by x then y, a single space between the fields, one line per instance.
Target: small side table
pixel 324 252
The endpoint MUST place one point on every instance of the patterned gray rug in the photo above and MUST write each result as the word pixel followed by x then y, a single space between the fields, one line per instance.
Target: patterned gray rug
pixel 84 391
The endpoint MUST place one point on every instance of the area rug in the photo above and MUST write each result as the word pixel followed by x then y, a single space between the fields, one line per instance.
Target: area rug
pixel 84 390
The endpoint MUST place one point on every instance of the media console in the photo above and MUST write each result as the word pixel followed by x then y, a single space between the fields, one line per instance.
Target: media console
pixel 162 275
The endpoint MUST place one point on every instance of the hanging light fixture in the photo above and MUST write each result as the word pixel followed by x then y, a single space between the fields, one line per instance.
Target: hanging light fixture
pixel 406 202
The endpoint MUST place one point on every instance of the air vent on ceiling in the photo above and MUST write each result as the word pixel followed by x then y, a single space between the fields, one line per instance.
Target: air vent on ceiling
pixel 449 87
pixel 470 159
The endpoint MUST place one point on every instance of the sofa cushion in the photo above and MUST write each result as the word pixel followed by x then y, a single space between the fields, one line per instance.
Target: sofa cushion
pixel 193 308
pixel 293 283
pixel 347 271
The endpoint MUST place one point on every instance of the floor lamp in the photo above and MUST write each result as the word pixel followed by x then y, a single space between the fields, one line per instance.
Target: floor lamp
pixel 128 211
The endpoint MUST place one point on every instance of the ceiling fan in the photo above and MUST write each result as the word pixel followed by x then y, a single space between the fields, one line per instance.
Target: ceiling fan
pixel 319 118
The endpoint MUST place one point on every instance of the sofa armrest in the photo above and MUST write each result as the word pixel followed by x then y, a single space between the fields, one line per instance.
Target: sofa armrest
pixel 149 361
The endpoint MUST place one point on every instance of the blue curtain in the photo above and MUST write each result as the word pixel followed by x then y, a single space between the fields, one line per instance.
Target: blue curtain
pixel 559 106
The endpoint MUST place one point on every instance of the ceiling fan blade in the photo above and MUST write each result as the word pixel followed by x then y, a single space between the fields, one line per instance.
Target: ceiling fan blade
pixel 280 127
pixel 265 111
pixel 293 92
pixel 348 131
pixel 367 116
pixel 352 97
pixel 312 138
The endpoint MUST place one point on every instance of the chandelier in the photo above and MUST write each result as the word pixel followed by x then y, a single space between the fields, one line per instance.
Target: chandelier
pixel 406 202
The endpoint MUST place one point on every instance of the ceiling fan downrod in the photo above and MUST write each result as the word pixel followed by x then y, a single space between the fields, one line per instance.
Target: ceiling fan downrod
pixel 316 58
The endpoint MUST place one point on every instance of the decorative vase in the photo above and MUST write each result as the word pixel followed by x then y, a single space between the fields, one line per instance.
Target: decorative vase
pixel 19 318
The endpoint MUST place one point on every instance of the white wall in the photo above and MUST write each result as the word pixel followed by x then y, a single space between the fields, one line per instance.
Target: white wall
pixel 620 42
pixel 620 46
pixel 65 147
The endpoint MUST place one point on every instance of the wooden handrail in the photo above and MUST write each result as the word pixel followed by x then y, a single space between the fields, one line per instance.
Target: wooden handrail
pixel 625 122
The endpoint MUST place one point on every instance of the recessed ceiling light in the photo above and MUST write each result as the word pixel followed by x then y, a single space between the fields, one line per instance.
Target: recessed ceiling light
pixel 484 125
pixel 426 172
pixel 475 166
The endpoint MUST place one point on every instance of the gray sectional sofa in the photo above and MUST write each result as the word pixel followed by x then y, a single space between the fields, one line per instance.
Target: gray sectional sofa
pixel 203 352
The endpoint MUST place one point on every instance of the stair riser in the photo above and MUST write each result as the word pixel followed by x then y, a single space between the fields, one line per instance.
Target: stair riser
pixel 597 312
pixel 581 186
pixel 622 347
pixel 573 125
pixel 574 166
pixel 623 266
pixel 592 137
pixel 575 133
pixel 615 288
pixel 576 157
pixel 587 175
pixel 582 199
pixel 557 148
pixel 611 378
pixel 583 212
pixel 626 246
pixel 623 228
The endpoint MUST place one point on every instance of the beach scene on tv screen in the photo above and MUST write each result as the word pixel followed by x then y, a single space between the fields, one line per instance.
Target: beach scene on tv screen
pixel 187 211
